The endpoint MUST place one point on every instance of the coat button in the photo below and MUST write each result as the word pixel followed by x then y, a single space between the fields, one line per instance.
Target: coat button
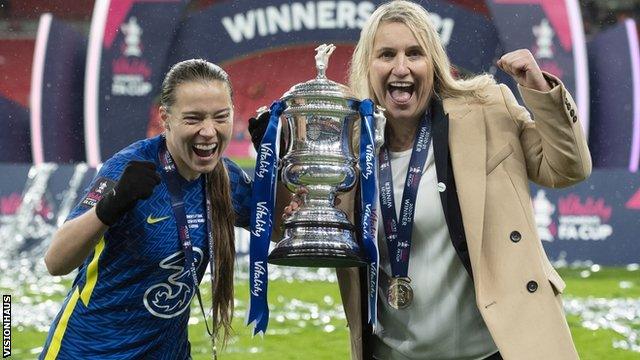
pixel 515 236
pixel 568 105
pixel 574 118
pixel 441 187
pixel 532 286
pixel 572 113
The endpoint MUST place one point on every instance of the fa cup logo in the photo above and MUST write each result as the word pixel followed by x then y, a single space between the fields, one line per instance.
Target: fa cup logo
pixel 544 40
pixel 132 32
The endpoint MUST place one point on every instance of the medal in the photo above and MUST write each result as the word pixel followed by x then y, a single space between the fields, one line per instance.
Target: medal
pixel 400 293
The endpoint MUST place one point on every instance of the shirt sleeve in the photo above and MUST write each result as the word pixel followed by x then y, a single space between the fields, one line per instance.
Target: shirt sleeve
pixel 104 182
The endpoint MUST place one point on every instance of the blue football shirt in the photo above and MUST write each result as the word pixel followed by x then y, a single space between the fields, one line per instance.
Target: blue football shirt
pixel 130 298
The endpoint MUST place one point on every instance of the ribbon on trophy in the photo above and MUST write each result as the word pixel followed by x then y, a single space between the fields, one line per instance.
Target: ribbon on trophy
pixel 263 200
pixel 368 198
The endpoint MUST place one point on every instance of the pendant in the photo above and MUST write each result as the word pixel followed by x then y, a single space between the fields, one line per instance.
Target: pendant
pixel 400 293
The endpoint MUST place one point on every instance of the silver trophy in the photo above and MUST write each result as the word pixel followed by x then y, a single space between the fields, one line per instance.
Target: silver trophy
pixel 320 115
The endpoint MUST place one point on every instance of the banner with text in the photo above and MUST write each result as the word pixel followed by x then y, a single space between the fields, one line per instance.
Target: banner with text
pixel 596 220
pixel 267 46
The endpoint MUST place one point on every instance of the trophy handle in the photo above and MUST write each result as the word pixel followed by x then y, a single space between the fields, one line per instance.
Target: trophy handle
pixel 381 122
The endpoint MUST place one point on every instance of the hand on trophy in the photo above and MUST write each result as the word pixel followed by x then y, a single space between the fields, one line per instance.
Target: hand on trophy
pixel 258 126
pixel 294 204
pixel 297 201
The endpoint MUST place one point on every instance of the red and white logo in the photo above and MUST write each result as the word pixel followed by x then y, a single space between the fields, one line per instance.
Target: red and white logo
pixel 131 71
pixel 585 220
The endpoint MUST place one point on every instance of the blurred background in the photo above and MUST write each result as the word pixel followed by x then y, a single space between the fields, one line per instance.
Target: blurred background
pixel 79 80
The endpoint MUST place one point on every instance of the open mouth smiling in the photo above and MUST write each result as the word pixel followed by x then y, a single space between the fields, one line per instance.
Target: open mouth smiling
pixel 400 91
pixel 205 150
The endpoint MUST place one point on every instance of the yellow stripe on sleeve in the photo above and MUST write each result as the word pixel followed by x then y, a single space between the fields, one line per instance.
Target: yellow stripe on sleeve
pixel 56 340
pixel 92 273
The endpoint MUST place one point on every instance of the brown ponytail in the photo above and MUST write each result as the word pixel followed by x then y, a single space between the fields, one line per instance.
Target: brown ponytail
pixel 224 250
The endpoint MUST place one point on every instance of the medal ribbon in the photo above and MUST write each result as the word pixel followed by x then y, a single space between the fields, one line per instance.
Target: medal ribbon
pixel 262 204
pixel 172 178
pixel 398 233
pixel 369 195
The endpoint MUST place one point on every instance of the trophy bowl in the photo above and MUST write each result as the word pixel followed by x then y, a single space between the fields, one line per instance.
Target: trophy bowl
pixel 319 163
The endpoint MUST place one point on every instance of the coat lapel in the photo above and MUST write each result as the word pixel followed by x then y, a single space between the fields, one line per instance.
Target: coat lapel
pixel 447 185
pixel 467 143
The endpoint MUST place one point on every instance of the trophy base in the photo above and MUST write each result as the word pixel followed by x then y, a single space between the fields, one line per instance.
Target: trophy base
pixel 317 247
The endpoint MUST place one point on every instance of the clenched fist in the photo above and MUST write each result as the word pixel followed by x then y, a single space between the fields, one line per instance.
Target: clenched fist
pixel 523 68
pixel 136 183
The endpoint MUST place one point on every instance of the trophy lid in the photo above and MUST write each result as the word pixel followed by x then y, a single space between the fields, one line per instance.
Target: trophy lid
pixel 320 86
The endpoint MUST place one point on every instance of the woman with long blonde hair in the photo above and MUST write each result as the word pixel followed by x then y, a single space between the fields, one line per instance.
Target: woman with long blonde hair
pixel 463 274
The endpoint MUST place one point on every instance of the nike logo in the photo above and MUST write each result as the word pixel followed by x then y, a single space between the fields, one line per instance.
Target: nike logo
pixel 152 220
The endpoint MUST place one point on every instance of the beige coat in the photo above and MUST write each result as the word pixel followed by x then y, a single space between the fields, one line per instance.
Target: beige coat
pixel 495 149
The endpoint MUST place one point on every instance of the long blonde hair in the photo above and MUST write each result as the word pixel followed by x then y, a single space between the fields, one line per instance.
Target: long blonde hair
pixel 416 18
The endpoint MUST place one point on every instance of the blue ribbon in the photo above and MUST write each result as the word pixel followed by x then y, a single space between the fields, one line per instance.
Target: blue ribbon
pixel 398 231
pixel 369 196
pixel 262 205
pixel 172 178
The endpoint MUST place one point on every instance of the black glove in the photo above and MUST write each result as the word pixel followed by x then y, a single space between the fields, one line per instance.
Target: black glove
pixel 257 128
pixel 136 183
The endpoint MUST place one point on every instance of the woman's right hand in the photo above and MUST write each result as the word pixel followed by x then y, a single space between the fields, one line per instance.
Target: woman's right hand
pixel 137 182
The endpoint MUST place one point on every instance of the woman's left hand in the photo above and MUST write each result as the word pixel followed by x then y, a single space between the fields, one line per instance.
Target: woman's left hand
pixel 293 206
pixel 297 201
pixel 524 69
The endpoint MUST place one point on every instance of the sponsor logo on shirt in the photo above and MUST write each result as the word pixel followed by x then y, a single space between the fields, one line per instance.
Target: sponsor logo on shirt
pixel 171 298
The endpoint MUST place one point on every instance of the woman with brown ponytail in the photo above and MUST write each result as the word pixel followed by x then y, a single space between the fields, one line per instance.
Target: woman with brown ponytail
pixel 143 234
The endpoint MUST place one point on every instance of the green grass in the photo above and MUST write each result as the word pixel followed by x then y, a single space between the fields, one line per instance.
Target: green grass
pixel 288 336
pixel 603 283
pixel 596 345
pixel 245 163
pixel 294 333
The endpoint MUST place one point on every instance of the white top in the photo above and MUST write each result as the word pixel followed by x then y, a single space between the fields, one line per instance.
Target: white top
pixel 443 321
